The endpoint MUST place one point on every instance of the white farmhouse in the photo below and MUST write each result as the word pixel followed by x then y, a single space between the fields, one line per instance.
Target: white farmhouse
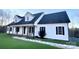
pixel 54 24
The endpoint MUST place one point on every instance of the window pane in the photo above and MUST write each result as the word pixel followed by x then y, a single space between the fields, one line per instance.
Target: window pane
pixel 17 29
pixel 60 30
pixel 24 29
pixel 27 18
pixel 10 28
pixel 42 28
pixel 32 29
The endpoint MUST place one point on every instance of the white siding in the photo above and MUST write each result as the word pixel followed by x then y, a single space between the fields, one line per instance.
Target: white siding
pixel 28 15
pixel 51 31
pixel 30 18
pixel 8 30
pixel 17 19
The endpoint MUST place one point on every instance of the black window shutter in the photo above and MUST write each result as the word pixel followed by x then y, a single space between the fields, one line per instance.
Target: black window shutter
pixel 56 30
pixel 63 30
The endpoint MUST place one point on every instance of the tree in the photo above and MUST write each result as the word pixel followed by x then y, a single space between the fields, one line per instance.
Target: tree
pixel 4 16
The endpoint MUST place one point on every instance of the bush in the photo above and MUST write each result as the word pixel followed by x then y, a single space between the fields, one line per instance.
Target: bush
pixel 3 29
pixel 42 34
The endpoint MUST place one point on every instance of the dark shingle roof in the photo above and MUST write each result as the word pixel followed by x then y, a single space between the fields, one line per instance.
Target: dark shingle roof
pixel 60 17
pixel 27 22
pixel 19 16
pixel 32 21
pixel 12 23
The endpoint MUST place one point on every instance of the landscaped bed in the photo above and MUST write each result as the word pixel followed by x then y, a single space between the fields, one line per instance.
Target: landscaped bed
pixel 7 42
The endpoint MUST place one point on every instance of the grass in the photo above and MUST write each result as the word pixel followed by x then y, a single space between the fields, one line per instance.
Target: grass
pixel 58 41
pixel 7 42
pixel 61 42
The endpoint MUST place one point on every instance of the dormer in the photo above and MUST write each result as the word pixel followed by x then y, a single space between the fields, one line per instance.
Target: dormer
pixel 29 16
pixel 17 18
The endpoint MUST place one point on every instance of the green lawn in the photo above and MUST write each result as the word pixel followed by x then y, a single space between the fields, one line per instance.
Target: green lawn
pixel 60 41
pixel 57 41
pixel 7 42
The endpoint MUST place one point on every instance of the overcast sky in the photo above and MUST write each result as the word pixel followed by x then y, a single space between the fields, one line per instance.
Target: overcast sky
pixel 72 13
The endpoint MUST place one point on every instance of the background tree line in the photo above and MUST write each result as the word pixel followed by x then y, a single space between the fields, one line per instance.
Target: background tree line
pixel 4 19
pixel 74 32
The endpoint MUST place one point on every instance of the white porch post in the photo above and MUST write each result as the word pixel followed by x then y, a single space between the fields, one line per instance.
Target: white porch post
pixel 20 30
pixel 27 31
pixel 14 30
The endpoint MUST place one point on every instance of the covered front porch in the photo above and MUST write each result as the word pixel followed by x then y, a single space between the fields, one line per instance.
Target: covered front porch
pixel 22 30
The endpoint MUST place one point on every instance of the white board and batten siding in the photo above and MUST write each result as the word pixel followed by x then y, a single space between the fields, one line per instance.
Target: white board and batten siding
pixel 51 31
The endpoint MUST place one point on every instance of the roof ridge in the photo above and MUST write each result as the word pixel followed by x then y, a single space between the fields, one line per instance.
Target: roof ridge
pixel 38 13
pixel 56 12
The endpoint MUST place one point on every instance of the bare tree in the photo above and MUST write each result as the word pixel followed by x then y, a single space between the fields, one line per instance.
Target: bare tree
pixel 5 15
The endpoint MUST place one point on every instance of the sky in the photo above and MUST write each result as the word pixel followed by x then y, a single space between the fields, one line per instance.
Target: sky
pixel 72 13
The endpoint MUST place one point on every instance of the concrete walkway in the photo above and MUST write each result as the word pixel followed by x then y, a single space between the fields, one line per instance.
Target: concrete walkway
pixel 49 43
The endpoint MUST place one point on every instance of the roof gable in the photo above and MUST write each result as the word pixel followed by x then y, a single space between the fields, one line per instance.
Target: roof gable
pixel 29 16
pixel 37 15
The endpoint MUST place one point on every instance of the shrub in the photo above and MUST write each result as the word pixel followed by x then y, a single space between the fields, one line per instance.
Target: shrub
pixel 42 34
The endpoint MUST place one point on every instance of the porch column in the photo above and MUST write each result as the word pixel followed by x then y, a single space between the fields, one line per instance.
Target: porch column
pixel 33 31
pixel 22 30
pixel 27 31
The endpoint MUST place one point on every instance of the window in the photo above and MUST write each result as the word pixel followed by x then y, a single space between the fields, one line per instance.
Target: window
pixel 17 29
pixel 24 28
pixel 42 28
pixel 59 30
pixel 10 28
pixel 31 29
pixel 27 18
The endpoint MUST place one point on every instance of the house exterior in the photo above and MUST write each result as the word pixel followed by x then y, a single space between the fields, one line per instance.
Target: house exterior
pixel 55 25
